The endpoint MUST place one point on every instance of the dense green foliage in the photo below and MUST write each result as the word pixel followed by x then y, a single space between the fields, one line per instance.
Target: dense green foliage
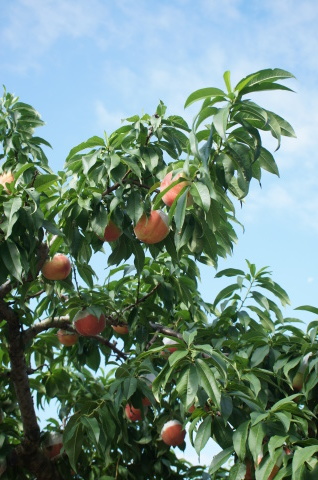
pixel 236 355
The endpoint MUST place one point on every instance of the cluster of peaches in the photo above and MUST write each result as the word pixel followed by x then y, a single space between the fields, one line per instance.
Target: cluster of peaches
pixel 149 229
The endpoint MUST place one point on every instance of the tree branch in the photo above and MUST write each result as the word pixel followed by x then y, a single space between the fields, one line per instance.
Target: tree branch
pixel 28 454
pixel 65 323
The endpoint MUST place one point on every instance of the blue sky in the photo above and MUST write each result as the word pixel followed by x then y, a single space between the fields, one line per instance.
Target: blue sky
pixel 86 64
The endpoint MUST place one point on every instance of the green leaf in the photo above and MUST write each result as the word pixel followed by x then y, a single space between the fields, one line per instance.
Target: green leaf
pixel 201 195
pixel 208 381
pixel 90 143
pixel 255 439
pixel 308 308
pixel 11 257
pixel 267 162
pixel 219 459
pixel 225 293
pixel 176 356
pixel 11 208
pixel 203 93
pixel 240 439
pixel 220 121
pixel 180 210
pixel 44 182
pixel 92 428
pixel 267 465
pixel 257 78
pixel 229 272
pixel 301 456
pixel 129 387
pixel 139 256
pixel 73 442
pixel 203 434
pixel 227 80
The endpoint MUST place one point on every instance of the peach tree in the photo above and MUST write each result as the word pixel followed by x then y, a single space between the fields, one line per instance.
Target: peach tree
pixel 102 321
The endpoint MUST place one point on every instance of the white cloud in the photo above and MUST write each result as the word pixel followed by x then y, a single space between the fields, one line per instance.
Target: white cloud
pixel 106 119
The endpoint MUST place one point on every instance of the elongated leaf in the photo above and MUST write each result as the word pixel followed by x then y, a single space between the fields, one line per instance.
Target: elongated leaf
pixel 139 256
pixel 301 456
pixel 90 143
pixel 267 162
pixel 176 356
pixel 229 272
pixel 219 459
pixel 43 182
pixel 11 208
pixel 92 427
pixel 72 442
pixel 129 387
pixel 266 75
pixel 203 93
pixel 308 308
pixel 240 439
pixel 203 434
pixel 227 80
pixel 11 257
pixel 220 121
pixel 226 292
pixel 201 195
pixel 208 381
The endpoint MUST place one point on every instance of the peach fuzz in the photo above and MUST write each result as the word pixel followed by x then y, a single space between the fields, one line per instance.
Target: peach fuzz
pixel 58 268
pixel 152 229
pixel 172 433
pixel 169 197
pixel 88 324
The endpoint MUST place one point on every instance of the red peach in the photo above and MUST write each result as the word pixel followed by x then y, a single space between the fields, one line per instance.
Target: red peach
pixel 169 197
pixel 112 232
pixel 172 433
pixel 58 268
pixel 67 338
pixel 53 444
pixel 152 229
pixel 88 324
pixel 5 178
pixel 146 402
pixel 133 414
pixel 169 341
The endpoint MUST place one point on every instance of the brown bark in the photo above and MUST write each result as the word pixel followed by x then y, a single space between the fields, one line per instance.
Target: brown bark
pixel 28 455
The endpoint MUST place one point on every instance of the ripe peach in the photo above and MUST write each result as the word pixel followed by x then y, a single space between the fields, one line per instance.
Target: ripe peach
pixel 146 402
pixel 172 433
pixel 5 178
pixel 53 444
pixel 88 324
pixel 58 268
pixel 133 414
pixel 152 229
pixel 121 329
pixel 169 197
pixel 67 338
pixel 112 232
pixel 169 341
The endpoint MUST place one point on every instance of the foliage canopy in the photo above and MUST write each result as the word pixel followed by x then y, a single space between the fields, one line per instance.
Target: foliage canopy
pixel 231 377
